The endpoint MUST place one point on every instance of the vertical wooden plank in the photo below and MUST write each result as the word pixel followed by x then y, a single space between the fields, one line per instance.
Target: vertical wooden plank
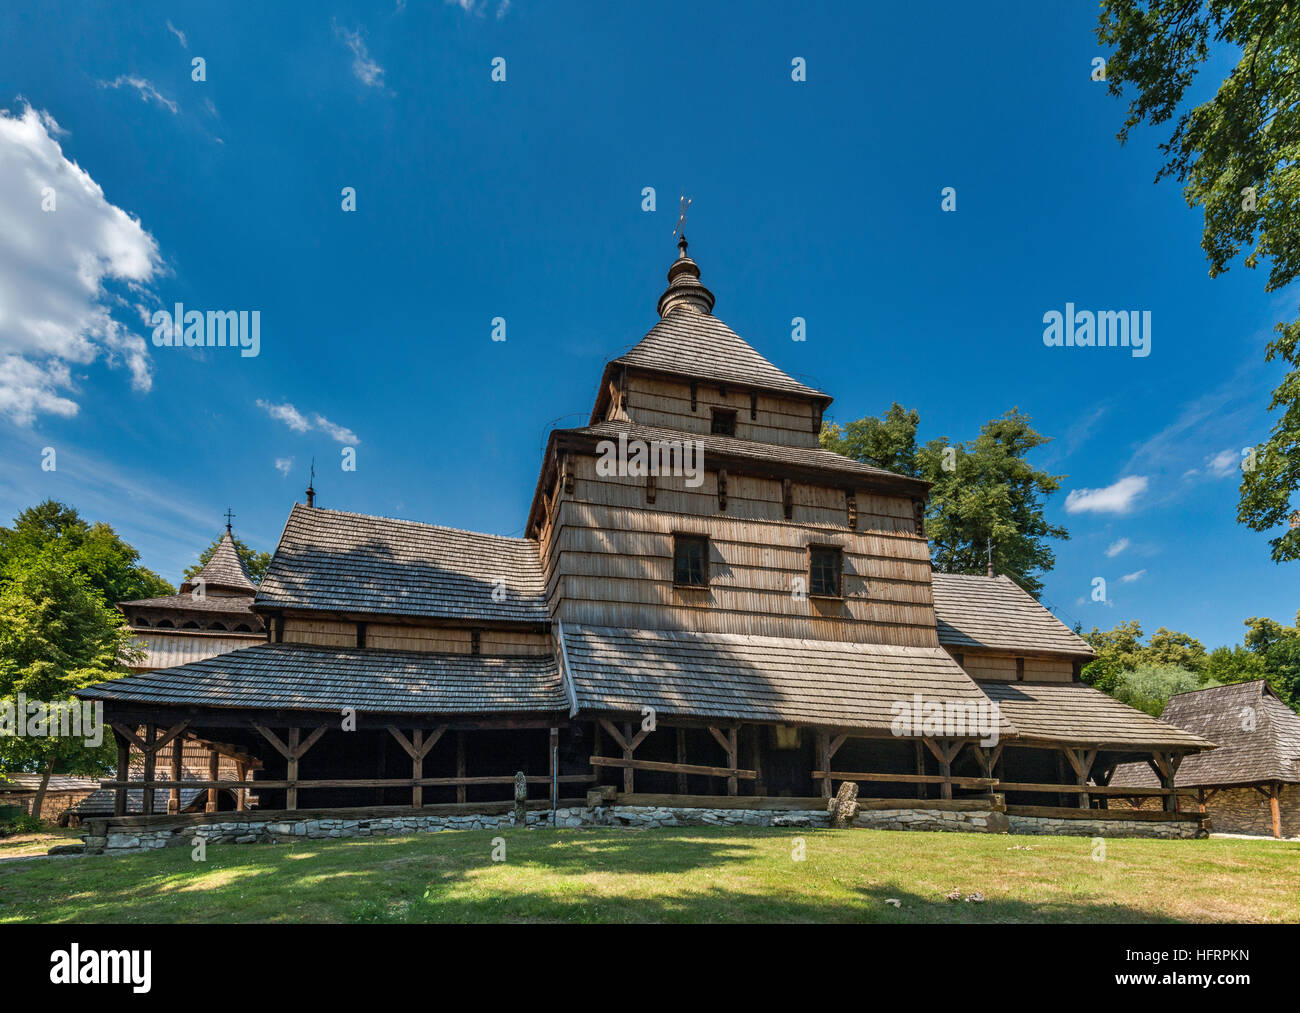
pixel 823 747
pixel 1275 809
pixel 150 754
pixel 681 758
pixel 214 771
pixel 554 755
pixel 174 799
pixel 733 758
pixel 945 769
pixel 629 781
pixel 922 790
pixel 460 765
pixel 291 795
pixel 417 767
pixel 241 796
pixel 123 772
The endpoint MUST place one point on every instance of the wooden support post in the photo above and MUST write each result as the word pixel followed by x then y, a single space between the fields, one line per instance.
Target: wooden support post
pixel 241 794
pixel 681 758
pixel 628 773
pixel 123 772
pixel 174 798
pixel 1274 805
pixel 214 772
pixel 760 786
pixel 460 766
pixel 417 767
pixel 1164 766
pixel 553 754
pixel 945 751
pixel 291 775
pixel 728 742
pixel 1102 779
pixel 1081 760
pixel 823 748
pixel 922 789
pixel 150 754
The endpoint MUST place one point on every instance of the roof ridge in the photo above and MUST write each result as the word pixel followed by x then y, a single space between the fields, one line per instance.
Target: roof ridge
pixel 407 520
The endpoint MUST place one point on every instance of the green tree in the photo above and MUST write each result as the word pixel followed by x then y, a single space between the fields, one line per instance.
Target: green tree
pixel 887 442
pixel 1278 648
pixel 110 565
pixel 1236 155
pixel 1119 650
pixel 254 562
pixel 984 491
pixel 1149 687
pixel 57 634
pixel 1177 650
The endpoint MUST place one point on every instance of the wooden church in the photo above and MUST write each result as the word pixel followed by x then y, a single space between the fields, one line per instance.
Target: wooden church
pixel 746 621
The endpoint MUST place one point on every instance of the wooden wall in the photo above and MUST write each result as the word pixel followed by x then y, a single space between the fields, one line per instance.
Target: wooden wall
pixel 609 559
pixel 411 637
pixel 666 403
pixel 1003 667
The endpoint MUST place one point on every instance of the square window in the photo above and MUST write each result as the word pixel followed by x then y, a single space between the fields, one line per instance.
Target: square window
pixel 826 567
pixel 690 560
pixel 724 422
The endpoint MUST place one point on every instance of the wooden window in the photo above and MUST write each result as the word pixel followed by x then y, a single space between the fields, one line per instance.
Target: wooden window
pixel 724 422
pixel 825 571
pixel 690 560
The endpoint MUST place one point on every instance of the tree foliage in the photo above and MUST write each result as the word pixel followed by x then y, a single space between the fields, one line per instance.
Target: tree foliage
pixel 984 490
pixel 1237 155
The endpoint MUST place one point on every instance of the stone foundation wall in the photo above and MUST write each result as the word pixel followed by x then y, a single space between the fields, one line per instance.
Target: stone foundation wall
pixel 1244 811
pixel 1046 826
pixel 119 838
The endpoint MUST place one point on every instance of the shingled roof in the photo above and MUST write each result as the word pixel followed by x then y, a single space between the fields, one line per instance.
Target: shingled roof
pixel 232 604
pixel 734 676
pixel 330 560
pixel 224 570
pixel 1070 712
pixel 700 346
pixel 1257 734
pixel 715 447
pixel 302 677
pixel 994 613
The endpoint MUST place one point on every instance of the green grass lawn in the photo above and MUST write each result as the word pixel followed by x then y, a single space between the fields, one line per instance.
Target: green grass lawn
pixel 687 875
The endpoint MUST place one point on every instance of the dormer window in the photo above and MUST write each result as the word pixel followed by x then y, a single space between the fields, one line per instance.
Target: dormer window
pixel 724 422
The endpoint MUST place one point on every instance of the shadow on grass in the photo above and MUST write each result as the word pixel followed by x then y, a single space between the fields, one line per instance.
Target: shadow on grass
pixel 679 875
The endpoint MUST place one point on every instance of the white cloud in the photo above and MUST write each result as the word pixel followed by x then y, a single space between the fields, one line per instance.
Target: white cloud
pixel 1223 464
pixel 55 269
pixel 341 433
pixel 301 423
pixel 287 414
pixel 480 7
pixel 1130 578
pixel 1116 548
pixel 1114 499
pixel 185 43
pixel 283 464
pixel 365 69
pixel 146 89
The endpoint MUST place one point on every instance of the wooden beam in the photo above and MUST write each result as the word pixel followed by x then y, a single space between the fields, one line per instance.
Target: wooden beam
pixel 274 739
pixel 128 733
pixel 1275 808
pixel 241 795
pixel 461 791
pixel 629 772
pixel 291 793
pixel 857 775
pixel 150 753
pixel 673 768
pixel 172 732
pixel 214 773
pixel 823 752
pixel 417 766
pixel 174 799
pixel 123 770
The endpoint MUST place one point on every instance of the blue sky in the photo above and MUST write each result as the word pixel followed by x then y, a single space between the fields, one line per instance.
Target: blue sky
pixel 522 199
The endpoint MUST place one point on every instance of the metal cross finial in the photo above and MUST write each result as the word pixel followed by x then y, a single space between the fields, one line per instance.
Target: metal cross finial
pixel 229 515
pixel 681 218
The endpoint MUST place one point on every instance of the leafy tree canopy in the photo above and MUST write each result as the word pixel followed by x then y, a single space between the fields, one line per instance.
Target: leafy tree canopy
pixel 984 490
pixel 1237 156
pixel 109 564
